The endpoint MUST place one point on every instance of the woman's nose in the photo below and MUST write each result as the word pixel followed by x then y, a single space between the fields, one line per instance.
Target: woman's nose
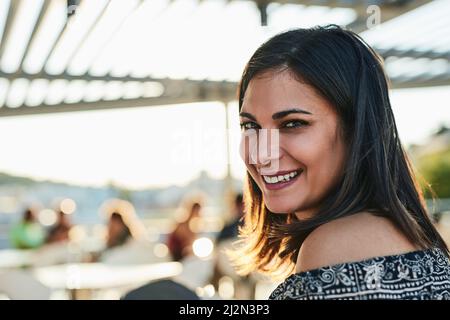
pixel 265 151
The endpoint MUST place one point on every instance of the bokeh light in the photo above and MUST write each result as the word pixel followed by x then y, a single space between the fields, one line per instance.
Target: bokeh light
pixel 203 247
pixel 47 217
pixel 68 206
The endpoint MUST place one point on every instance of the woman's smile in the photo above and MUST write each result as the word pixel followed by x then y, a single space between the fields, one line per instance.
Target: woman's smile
pixel 281 179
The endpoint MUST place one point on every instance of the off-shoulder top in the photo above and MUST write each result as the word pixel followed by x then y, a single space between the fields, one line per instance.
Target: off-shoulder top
pixel 417 275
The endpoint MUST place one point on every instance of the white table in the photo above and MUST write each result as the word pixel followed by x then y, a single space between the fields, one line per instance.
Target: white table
pixel 94 276
pixel 13 258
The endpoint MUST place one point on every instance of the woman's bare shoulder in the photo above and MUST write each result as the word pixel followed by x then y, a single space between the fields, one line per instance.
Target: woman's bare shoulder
pixel 349 239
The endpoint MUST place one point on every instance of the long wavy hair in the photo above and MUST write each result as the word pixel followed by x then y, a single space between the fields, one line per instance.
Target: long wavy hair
pixel 377 177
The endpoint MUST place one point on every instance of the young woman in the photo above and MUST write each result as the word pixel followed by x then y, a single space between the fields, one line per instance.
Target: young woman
pixel 333 201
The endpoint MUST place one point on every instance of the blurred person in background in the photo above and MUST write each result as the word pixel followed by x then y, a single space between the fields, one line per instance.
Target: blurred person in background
pixel 244 285
pixel 187 246
pixel 126 241
pixel 231 230
pixel 183 236
pixel 56 248
pixel 59 232
pixel 118 231
pixel 28 233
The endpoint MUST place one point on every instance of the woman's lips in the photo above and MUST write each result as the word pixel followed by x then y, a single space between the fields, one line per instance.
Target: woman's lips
pixel 281 180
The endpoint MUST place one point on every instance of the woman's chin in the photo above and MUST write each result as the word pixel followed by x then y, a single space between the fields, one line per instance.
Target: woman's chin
pixel 280 208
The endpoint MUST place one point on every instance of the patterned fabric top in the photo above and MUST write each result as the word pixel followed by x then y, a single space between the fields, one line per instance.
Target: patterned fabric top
pixel 415 275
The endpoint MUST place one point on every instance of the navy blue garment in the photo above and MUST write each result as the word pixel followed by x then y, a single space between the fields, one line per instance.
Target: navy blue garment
pixel 162 290
pixel 417 275
pixel 230 231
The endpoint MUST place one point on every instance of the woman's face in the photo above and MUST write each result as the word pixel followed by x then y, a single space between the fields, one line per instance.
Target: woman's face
pixel 296 172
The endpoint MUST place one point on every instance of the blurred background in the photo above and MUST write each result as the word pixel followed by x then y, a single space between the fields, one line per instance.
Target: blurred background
pixel 100 199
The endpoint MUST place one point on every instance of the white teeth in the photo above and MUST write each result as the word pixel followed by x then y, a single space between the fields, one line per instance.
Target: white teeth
pixel 276 179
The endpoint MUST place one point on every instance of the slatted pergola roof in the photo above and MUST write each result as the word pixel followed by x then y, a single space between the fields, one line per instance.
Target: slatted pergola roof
pixel 129 53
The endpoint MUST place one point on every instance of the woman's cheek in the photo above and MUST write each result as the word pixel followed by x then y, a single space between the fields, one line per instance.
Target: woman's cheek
pixel 301 149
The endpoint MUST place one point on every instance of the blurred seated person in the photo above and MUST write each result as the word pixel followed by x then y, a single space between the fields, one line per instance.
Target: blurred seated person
pixel 126 241
pixel 182 237
pixel 28 233
pixel 244 286
pixel 231 230
pixel 59 232
pixel 56 247
pixel 118 231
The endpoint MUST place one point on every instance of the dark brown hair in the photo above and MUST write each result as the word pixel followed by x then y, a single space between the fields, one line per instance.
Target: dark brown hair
pixel 377 175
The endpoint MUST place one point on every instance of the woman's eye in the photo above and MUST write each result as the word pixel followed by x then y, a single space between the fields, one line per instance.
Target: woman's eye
pixel 249 125
pixel 295 124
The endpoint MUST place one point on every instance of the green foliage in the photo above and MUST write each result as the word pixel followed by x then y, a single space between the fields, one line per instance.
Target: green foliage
pixel 435 169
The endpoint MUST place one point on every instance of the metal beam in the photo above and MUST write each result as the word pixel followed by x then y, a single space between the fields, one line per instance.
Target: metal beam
pixel 388 11
pixel 322 3
pixel 421 81
pixel 413 53
pixel 90 106
pixel 389 8
pixel 106 78
pixel 175 92
pixel 352 4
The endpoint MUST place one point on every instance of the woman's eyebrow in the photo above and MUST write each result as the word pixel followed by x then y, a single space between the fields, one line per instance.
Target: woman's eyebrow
pixel 247 115
pixel 284 113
